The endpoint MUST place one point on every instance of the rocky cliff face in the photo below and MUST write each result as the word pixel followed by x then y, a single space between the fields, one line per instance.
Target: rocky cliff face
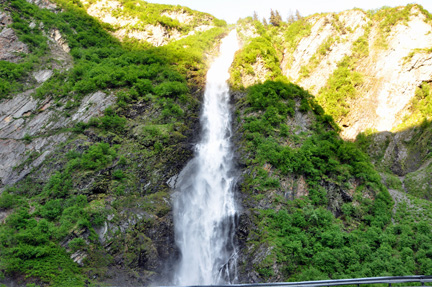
pixel 391 72
pixel 375 63
pixel 10 46
pixel 97 181
pixel 30 130
pixel 146 140
pixel 128 26
pixel 330 39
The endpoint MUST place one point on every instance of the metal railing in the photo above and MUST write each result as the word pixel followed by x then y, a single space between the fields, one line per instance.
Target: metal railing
pixel 422 279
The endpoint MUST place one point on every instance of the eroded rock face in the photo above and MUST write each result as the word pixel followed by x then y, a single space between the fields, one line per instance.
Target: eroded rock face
pixel 42 75
pixel 27 130
pixel 44 4
pixel 10 46
pixel 323 29
pixel 391 74
pixel 130 27
pixel 391 78
pixel 56 37
pixel 181 16
pixel 259 73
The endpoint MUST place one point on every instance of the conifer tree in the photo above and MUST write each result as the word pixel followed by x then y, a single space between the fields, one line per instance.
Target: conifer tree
pixel 255 16
pixel 290 18
pixel 297 15
pixel 275 18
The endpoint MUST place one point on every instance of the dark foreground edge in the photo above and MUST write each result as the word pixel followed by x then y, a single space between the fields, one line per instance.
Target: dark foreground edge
pixel 423 279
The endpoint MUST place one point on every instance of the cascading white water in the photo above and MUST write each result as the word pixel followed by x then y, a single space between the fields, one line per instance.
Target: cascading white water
pixel 204 205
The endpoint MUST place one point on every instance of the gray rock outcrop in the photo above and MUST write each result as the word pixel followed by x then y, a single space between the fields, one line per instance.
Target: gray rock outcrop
pixel 10 46
pixel 28 130
pixel 391 74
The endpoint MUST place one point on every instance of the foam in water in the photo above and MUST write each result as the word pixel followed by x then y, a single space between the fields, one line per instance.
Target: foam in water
pixel 204 205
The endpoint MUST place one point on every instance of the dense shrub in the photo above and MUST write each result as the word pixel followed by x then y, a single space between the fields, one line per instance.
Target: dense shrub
pixel 309 242
pixel 43 216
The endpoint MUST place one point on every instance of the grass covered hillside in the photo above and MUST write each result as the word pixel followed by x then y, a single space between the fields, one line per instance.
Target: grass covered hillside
pixel 86 200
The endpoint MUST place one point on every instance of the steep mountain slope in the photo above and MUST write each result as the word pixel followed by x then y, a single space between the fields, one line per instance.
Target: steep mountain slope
pixel 385 55
pixel 156 24
pixel 370 71
pixel 389 71
pixel 315 206
pixel 96 122
pixel 92 129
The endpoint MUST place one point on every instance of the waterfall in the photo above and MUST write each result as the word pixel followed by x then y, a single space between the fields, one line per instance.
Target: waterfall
pixel 204 205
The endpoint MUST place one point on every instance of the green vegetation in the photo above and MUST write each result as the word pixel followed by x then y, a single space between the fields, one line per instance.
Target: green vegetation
pixel 293 35
pixel 55 211
pixel 275 18
pixel 295 32
pixel 342 85
pixel 101 62
pixel 307 240
pixel 340 88
pixel 315 200
pixel 319 206
pixel 421 106
pixel 388 17
pixel 154 14
pixel 418 183
pixel 320 155
pixel 261 49
pixel 311 244
pixel 11 73
pixel 414 210
pixel 415 51
pixel 31 238
pixel 317 57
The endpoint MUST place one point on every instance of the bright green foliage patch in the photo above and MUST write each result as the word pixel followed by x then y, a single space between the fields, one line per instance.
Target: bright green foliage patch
pixel 295 32
pixel 421 104
pixel 313 245
pixel 32 234
pixel 322 155
pixel 341 86
pixel 261 48
pixel 54 214
pixel 31 246
pixel 10 74
pixel 149 13
pixel 101 62
pixel 308 241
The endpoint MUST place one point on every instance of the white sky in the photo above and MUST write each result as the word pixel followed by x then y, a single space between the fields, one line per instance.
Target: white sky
pixel 232 10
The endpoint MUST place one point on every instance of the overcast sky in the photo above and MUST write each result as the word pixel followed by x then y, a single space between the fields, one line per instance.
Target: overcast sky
pixel 232 10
